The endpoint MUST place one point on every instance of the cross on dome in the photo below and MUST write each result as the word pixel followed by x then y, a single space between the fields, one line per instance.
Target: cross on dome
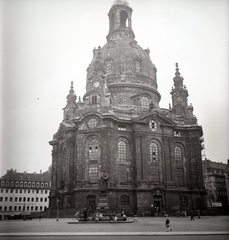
pixel 119 2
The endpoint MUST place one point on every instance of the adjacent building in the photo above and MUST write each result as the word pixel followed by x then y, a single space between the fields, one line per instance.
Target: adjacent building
pixel 116 147
pixel 215 185
pixel 24 192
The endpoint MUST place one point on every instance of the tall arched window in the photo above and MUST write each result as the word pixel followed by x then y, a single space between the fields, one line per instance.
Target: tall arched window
pixel 121 151
pixel 144 102
pixel 93 149
pixel 93 157
pixel 179 165
pixel 123 18
pixel 154 160
pixel 178 156
pixel 153 153
pixel 109 66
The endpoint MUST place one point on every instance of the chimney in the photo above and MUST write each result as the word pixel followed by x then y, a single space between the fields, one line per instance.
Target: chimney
pixel 40 171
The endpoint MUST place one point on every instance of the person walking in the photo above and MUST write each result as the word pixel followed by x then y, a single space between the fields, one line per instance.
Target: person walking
pixel 167 224
pixel 192 216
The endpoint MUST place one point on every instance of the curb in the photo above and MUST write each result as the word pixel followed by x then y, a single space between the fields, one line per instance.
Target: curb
pixel 29 234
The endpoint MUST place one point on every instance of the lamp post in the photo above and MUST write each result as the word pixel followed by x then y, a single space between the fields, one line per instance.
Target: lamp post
pixel 57 205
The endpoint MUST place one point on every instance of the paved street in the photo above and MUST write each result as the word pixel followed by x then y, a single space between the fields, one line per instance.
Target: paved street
pixel 205 228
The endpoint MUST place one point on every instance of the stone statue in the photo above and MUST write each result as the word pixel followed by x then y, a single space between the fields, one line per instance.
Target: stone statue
pixel 104 181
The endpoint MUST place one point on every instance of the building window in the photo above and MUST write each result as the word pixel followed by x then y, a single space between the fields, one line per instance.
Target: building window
pixel 31 208
pixel 46 185
pixel 38 184
pixel 122 173
pixel 29 184
pixel 7 183
pixel 12 183
pixel 11 190
pixel 42 184
pixel 3 183
pixel 94 99
pixel 11 199
pixel 33 184
pixel 27 208
pixel 28 191
pixel 20 190
pixel 94 149
pixel 177 134
pixel 137 66
pixel 24 199
pixel 37 199
pixel 155 173
pixel 32 199
pixel 28 199
pixel 19 208
pixel 25 184
pixel 152 125
pixel 178 156
pixel 6 199
pixel 20 199
pixel 180 176
pixel 41 191
pixel 17 184
pixel 109 66
pixel 21 184
pixel 2 190
pixel 36 208
pixel 41 199
pixel 45 199
pixel 46 191
pixel 93 172
pixel 144 102
pixel 37 191
pixel 153 153
pixel 15 199
pixel 92 123
pixel 121 127
pixel 41 208
pixel 125 200
pixel 183 202
pixel 1 199
pixel 122 151
pixel 15 208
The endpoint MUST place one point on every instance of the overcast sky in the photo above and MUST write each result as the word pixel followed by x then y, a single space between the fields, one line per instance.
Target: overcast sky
pixel 46 44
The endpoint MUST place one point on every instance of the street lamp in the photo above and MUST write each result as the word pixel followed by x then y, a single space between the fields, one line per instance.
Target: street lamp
pixel 57 205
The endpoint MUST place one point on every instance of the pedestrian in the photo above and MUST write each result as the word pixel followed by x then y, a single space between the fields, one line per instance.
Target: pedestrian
pixel 167 224
pixel 39 217
pixel 192 216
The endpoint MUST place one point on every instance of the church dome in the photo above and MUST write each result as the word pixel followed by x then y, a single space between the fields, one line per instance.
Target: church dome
pixel 129 71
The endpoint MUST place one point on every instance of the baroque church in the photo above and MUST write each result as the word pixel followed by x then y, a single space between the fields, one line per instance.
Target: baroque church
pixel 116 148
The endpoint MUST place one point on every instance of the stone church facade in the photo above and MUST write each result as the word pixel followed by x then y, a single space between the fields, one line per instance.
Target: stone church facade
pixel 151 156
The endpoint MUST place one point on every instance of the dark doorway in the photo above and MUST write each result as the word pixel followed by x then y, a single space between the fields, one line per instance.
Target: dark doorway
pixel 91 202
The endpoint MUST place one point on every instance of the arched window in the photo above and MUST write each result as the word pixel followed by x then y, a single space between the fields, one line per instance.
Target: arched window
pixel 21 184
pixel 125 200
pixel 178 156
pixel 93 149
pixel 17 184
pixel 29 184
pixel 93 171
pixel 42 184
pixel 46 184
pixel 183 202
pixel 109 66
pixel 153 153
pixel 179 165
pixel 38 184
pixel 123 18
pixel 112 21
pixel 121 151
pixel 12 183
pixel 25 184
pixel 33 184
pixel 7 183
pixel 144 102
pixel 137 66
